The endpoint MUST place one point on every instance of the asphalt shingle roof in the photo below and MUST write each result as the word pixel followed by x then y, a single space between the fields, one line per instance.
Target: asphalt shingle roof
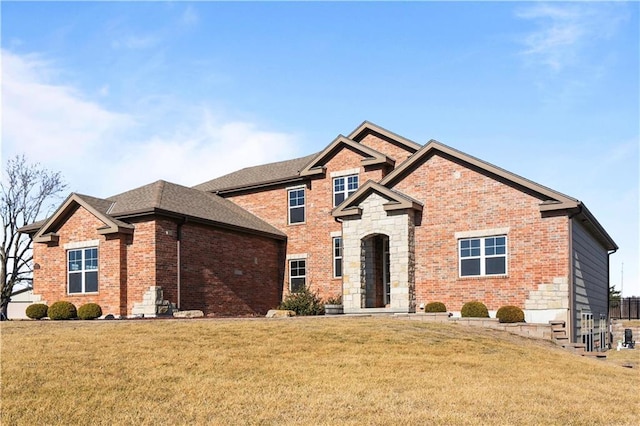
pixel 162 196
pixel 256 175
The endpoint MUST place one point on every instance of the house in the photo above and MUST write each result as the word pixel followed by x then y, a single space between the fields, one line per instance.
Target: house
pixel 385 222
pixel 21 298
pixel 162 241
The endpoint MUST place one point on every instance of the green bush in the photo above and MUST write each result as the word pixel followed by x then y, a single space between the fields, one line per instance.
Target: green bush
pixel 37 311
pixel 304 302
pixel 510 314
pixel 89 311
pixel 435 307
pixel 62 311
pixel 474 310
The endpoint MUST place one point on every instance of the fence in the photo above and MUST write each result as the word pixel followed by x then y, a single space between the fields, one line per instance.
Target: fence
pixel 626 308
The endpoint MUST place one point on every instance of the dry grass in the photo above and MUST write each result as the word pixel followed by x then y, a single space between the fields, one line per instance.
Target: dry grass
pixel 301 371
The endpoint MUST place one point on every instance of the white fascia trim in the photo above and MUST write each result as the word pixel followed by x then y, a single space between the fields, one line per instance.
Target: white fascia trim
pixel 482 233
pixel 296 256
pixel 81 244
pixel 340 173
pixel 296 187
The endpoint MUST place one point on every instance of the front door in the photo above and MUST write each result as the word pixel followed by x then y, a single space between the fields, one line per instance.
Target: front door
pixel 376 271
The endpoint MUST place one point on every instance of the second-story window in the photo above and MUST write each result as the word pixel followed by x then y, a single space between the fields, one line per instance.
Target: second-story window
pixel 296 205
pixel 343 187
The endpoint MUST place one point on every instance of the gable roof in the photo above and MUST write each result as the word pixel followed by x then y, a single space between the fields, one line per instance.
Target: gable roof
pixel 371 156
pixel 368 127
pixel 257 176
pixel 159 197
pixel 96 206
pixel 298 169
pixel 397 200
pixel 551 200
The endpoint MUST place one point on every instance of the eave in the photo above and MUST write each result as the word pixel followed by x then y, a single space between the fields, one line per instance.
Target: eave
pixel 371 156
pixel 396 201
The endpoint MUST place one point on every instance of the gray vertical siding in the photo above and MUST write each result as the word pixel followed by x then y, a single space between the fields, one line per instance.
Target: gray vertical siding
pixel 590 276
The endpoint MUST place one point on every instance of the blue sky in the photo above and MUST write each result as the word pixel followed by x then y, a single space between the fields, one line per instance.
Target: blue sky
pixel 116 95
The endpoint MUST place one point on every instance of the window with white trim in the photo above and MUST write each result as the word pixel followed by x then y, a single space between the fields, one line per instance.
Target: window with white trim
pixel 296 205
pixel 483 256
pixel 337 257
pixel 297 275
pixel 82 270
pixel 343 187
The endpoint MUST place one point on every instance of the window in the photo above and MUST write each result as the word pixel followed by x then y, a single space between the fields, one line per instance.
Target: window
pixel 296 205
pixel 483 256
pixel 297 275
pixel 83 270
pixel 343 187
pixel 337 257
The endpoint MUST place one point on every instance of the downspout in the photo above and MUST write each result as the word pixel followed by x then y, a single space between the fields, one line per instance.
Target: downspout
pixel 178 258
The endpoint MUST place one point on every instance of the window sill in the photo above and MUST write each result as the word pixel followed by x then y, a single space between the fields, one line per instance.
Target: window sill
pixel 84 294
pixel 480 277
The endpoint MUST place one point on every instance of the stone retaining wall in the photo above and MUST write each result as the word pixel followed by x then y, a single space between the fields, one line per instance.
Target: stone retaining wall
pixel 537 331
pixel 617 331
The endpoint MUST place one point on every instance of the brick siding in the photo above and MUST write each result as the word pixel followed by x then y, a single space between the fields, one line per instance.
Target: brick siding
pixel 50 280
pixel 457 199
pixel 223 272
pixel 313 237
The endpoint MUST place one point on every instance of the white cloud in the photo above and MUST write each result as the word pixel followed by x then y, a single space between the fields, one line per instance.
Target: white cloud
pixel 210 149
pixel 563 29
pixel 135 42
pixel 101 152
pixel 189 16
pixel 49 123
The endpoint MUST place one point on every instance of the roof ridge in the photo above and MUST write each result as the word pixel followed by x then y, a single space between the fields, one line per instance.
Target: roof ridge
pixel 159 192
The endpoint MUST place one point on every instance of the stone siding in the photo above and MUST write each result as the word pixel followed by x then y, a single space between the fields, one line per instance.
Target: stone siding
pixel 376 221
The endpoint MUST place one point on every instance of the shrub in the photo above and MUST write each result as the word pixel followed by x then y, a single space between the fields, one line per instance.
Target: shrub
pixel 334 300
pixel 37 311
pixel 474 310
pixel 62 311
pixel 304 302
pixel 89 311
pixel 510 314
pixel 435 307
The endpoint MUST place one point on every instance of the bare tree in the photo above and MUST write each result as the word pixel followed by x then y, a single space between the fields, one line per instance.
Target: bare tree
pixel 24 193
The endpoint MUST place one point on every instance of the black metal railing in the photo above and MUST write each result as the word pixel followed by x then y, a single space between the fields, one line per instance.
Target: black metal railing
pixel 625 308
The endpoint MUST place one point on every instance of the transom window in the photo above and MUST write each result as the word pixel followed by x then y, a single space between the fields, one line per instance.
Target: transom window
pixel 296 205
pixel 343 187
pixel 83 270
pixel 483 256
pixel 337 257
pixel 297 275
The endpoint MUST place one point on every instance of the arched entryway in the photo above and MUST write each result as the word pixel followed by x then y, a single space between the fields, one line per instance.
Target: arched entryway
pixel 376 271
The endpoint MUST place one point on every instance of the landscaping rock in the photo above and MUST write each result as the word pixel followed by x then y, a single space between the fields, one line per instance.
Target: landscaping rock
pixel 188 314
pixel 279 313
